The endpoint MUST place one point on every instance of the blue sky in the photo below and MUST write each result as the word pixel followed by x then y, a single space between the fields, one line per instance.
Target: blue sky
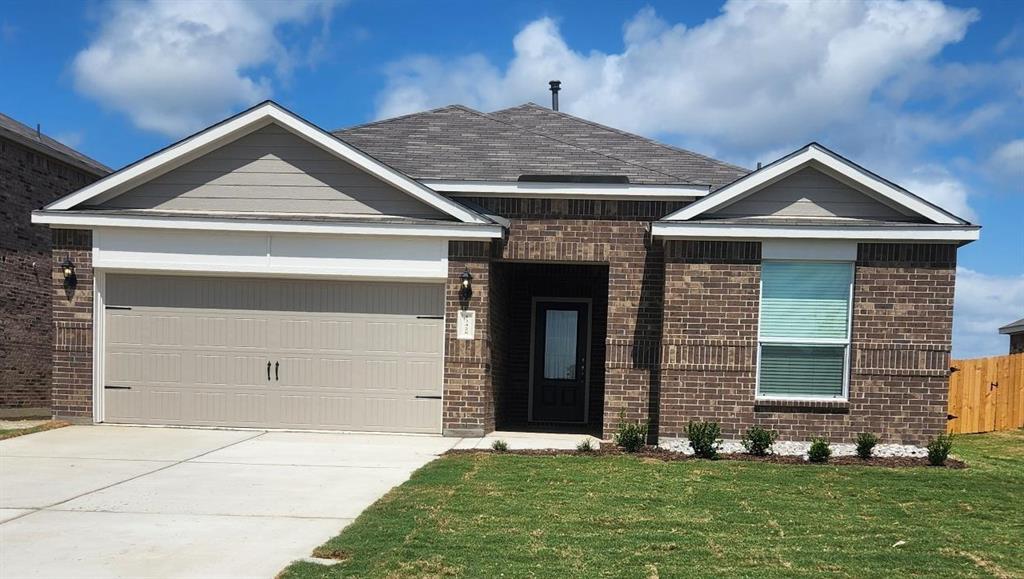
pixel 926 93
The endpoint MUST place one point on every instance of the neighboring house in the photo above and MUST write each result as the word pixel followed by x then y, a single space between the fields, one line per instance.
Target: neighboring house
pixel 455 272
pixel 1016 332
pixel 34 170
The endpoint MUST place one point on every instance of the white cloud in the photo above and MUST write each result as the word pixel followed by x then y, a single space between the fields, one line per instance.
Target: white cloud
pixel 984 303
pixel 941 188
pixel 755 82
pixel 1008 161
pixel 759 74
pixel 175 67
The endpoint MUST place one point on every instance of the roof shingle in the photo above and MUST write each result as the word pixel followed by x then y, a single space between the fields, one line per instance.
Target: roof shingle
pixel 459 143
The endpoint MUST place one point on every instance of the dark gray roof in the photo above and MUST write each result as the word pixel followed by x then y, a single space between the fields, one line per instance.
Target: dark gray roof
pixel 459 143
pixel 1013 327
pixel 687 165
pixel 26 135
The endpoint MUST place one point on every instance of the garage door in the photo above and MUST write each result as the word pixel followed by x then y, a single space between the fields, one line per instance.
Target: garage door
pixel 273 353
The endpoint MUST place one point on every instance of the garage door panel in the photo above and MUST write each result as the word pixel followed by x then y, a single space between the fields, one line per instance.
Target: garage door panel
pixel 195 351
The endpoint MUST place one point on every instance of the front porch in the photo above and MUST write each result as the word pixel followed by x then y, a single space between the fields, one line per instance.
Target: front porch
pixel 549 327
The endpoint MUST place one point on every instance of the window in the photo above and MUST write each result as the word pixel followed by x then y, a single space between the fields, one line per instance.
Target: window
pixel 804 333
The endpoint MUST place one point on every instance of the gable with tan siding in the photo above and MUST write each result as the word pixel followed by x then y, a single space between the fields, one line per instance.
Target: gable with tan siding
pixel 811 193
pixel 272 170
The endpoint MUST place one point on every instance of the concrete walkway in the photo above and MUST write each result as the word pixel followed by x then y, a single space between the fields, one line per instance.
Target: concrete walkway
pixel 109 501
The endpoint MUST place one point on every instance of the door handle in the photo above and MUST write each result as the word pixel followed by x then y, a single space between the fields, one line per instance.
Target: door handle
pixel 276 366
pixel 268 371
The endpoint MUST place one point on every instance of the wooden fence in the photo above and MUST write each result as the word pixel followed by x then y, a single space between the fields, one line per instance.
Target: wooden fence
pixel 987 394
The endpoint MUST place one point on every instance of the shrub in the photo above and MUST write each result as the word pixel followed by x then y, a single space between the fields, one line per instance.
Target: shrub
pixel 820 450
pixel 632 436
pixel 704 438
pixel 585 446
pixel 758 441
pixel 938 449
pixel 866 444
pixel 499 446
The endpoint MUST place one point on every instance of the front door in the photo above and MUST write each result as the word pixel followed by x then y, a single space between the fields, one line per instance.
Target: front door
pixel 559 381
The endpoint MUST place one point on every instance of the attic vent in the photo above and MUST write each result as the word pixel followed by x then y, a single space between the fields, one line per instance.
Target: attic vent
pixel 619 179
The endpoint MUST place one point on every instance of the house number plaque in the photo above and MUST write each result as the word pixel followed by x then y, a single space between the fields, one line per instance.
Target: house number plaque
pixel 466 325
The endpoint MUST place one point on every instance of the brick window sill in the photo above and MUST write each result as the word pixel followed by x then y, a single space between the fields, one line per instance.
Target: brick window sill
pixel 783 405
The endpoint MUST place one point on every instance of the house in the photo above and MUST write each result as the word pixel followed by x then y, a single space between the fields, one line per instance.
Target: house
pixel 454 272
pixel 1016 332
pixel 34 170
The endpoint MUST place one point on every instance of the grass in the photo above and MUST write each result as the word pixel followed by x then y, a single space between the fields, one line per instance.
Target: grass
pixel 491 515
pixel 6 433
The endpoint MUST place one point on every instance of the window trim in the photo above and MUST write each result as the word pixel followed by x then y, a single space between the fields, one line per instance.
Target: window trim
pixel 845 342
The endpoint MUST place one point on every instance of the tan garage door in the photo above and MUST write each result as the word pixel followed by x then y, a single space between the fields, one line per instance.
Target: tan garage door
pixel 274 353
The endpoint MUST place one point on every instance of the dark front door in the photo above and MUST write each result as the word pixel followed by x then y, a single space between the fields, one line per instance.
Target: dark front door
pixel 560 340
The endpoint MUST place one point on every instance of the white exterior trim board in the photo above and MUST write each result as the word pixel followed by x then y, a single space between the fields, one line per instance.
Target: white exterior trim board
pixel 614 191
pixel 270 254
pixel 683 230
pixel 61 220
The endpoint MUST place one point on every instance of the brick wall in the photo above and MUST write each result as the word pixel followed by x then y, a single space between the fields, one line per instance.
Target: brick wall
pixel 709 357
pixel 72 323
pixel 28 180
pixel 1017 343
pixel 468 389
pixel 901 335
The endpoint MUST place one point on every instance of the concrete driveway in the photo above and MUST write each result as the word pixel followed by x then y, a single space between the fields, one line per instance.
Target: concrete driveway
pixel 108 501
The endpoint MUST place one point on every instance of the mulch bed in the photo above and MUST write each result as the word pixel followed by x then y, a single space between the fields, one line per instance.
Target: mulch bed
pixel 654 452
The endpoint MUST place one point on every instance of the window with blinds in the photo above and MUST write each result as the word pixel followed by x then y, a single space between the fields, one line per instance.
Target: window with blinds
pixel 804 332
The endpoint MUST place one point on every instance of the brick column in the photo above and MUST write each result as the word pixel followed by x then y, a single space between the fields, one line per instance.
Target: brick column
pixel 468 389
pixel 73 324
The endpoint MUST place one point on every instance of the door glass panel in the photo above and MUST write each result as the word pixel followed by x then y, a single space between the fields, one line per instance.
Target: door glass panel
pixel 560 345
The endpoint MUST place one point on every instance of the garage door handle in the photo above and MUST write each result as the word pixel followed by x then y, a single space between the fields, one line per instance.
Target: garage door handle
pixel 276 366
pixel 428 397
pixel 268 371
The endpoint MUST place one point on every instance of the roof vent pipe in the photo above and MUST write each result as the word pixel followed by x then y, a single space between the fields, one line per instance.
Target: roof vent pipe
pixel 556 85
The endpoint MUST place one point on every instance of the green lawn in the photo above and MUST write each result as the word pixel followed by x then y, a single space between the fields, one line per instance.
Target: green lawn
pixel 489 515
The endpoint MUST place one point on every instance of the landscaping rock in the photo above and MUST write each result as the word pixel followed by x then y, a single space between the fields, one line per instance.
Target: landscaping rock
pixel 794 448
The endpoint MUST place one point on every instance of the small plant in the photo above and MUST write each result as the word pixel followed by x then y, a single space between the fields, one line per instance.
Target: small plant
pixel 820 450
pixel 758 441
pixel 866 444
pixel 499 446
pixel 632 436
pixel 704 438
pixel 938 449
pixel 585 446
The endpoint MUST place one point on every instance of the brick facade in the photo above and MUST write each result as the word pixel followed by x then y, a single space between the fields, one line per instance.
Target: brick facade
pixel 29 180
pixel 1017 343
pixel 468 408
pixel 900 343
pixel 72 323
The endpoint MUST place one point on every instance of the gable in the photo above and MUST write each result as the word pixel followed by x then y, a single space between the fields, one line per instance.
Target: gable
pixel 810 193
pixel 271 170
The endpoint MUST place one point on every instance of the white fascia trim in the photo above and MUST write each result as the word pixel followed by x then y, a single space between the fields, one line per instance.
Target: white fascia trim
pixel 245 123
pixel 812 153
pixel 613 191
pixel 72 220
pixel 682 230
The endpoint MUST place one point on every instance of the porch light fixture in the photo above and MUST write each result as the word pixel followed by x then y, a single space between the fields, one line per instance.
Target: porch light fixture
pixel 467 288
pixel 68 268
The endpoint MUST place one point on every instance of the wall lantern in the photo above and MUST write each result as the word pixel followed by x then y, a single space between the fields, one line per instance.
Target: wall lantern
pixel 68 267
pixel 467 288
